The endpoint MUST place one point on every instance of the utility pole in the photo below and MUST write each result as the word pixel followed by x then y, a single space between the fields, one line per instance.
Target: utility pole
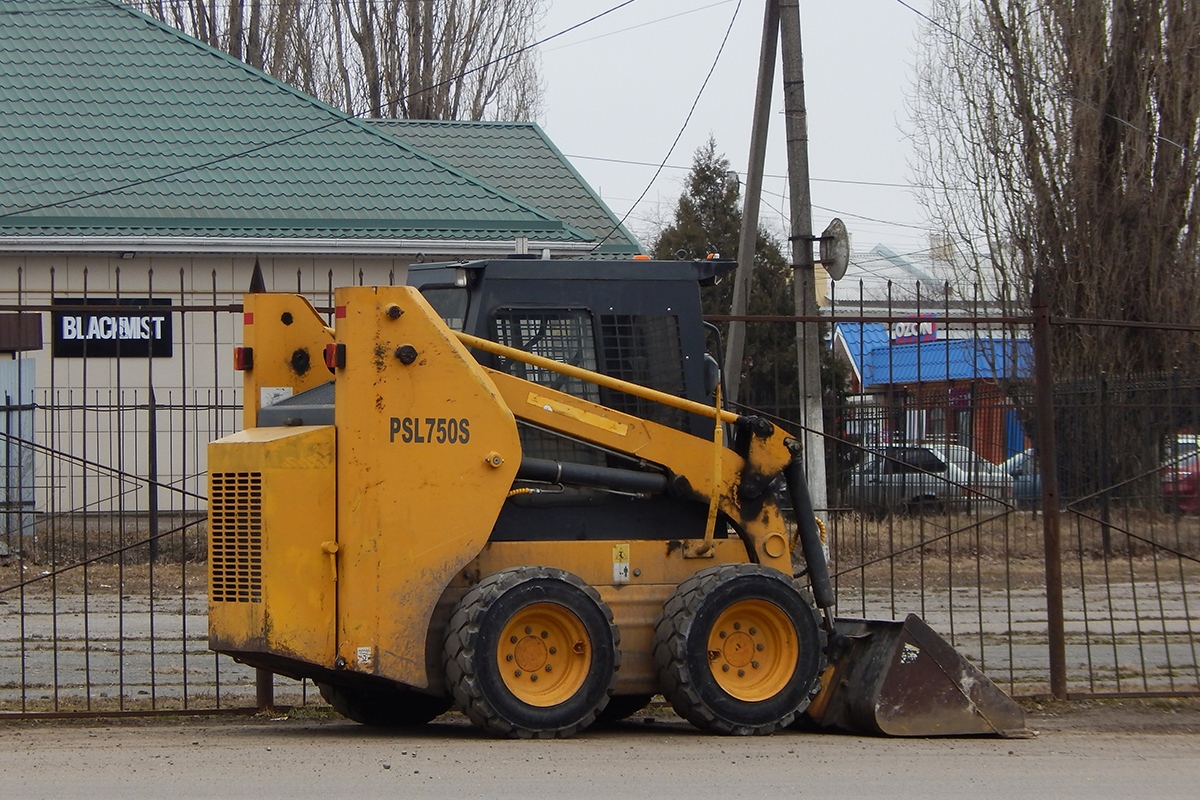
pixel 808 335
pixel 736 344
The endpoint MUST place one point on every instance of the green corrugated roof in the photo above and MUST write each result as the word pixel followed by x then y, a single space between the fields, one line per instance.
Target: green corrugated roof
pixel 517 158
pixel 112 124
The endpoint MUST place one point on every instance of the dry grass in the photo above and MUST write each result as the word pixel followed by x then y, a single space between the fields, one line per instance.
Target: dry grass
pixel 112 579
pixel 990 549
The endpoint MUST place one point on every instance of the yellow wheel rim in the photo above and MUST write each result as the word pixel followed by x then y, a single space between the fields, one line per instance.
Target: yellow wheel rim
pixel 544 654
pixel 753 650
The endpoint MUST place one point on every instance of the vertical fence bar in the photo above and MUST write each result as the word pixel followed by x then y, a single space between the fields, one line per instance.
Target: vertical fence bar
pixel 184 506
pixel 152 472
pixel 1105 476
pixel 264 690
pixel 1044 388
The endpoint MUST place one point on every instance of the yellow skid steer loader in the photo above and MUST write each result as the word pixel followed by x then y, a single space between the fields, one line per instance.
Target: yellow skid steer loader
pixel 511 486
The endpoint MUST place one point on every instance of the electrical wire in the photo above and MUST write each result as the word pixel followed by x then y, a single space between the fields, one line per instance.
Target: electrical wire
pixel 640 25
pixel 682 168
pixel 682 128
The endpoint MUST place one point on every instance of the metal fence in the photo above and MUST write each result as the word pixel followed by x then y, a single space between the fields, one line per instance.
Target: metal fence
pixel 1084 585
pixel 102 555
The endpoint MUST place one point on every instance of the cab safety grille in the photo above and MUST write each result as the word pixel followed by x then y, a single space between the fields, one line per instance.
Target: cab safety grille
pixel 235 537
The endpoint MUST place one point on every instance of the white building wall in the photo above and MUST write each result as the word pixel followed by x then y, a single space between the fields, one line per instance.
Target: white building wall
pixel 93 423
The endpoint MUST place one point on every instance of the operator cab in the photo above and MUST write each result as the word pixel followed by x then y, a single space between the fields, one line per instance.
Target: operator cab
pixel 635 320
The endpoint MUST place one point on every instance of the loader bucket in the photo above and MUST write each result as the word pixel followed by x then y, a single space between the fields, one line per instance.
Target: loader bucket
pixel 902 679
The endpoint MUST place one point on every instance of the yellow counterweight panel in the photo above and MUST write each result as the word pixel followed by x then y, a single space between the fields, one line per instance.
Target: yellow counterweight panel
pixel 427 452
pixel 271 510
pixel 288 340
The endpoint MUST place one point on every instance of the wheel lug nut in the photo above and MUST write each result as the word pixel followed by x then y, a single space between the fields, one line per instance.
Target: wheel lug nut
pixel 549 668
pixel 753 631
pixel 725 668
pixel 512 639
pixel 737 626
pixel 533 677
pixel 723 634
pixel 545 634
pixel 517 673
pixel 553 650
pixel 754 664
pixel 508 657
pixel 759 647
pixel 528 629
pixel 741 673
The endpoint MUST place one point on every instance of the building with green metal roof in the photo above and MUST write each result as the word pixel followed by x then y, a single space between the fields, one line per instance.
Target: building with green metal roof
pixel 519 159
pixel 121 134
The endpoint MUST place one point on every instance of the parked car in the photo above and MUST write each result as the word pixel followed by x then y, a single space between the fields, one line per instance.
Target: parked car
pixel 1181 476
pixel 929 477
pixel 1027 481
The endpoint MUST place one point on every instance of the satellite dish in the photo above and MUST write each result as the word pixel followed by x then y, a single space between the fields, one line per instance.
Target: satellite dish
pixel 835 249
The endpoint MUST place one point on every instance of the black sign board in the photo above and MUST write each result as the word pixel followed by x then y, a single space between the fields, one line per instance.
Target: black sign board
pixel 116 328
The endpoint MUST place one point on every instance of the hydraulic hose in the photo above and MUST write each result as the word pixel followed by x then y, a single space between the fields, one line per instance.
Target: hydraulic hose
pixel 810 535
pixel 624 480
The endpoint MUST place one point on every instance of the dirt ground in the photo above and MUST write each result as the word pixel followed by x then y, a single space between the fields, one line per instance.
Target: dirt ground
pixel 1165 715
pixel 1140 715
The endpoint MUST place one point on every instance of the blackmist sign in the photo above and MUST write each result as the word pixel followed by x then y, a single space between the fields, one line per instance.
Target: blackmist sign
pixel 115 328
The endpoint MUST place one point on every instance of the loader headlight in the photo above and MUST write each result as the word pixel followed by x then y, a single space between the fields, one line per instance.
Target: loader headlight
pixel 461 277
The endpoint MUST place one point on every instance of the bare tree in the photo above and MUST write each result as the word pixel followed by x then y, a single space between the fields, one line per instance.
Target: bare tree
pixel 1061 139
pixel 420 59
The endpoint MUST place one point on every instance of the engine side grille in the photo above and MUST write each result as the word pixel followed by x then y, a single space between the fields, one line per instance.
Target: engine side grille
pixel 235 537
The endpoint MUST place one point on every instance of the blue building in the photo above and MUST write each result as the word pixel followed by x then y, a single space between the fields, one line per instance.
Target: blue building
pixel 928 379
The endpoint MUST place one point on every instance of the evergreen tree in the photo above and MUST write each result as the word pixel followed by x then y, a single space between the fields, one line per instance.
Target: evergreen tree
pixel 708 221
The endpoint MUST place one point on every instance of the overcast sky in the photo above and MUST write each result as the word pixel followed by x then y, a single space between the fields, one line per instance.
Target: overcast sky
pixel 619 89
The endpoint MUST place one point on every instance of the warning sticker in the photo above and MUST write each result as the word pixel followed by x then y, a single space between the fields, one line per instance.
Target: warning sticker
pixel 620 563
pixel 364 656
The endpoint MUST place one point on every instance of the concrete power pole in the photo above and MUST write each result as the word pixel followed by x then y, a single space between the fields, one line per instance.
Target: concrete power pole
pixel 736 345
pixel 808 336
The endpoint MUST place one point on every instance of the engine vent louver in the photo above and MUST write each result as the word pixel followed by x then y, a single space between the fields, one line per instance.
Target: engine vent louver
pixel 235 537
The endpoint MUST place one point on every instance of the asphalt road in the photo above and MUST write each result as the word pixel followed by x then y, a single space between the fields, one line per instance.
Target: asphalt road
pixel 327 757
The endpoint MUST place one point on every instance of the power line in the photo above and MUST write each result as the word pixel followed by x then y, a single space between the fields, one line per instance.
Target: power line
pixel 682 128
pixel 641 25
pixel 845 181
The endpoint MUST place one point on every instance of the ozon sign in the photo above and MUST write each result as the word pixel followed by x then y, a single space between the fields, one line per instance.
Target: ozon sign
pixel 117 328
pixel 907 331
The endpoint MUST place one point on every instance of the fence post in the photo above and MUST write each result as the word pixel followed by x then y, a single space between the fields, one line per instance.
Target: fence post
pixel 264 690
pixel 8 471
pixel 152 475
pixel 1043 381
pixel 1105 477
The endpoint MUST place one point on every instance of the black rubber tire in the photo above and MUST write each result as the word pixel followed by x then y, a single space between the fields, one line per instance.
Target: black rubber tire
pixel 623 706
pixel 472 637
pixel 384 708
pixel 681 656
